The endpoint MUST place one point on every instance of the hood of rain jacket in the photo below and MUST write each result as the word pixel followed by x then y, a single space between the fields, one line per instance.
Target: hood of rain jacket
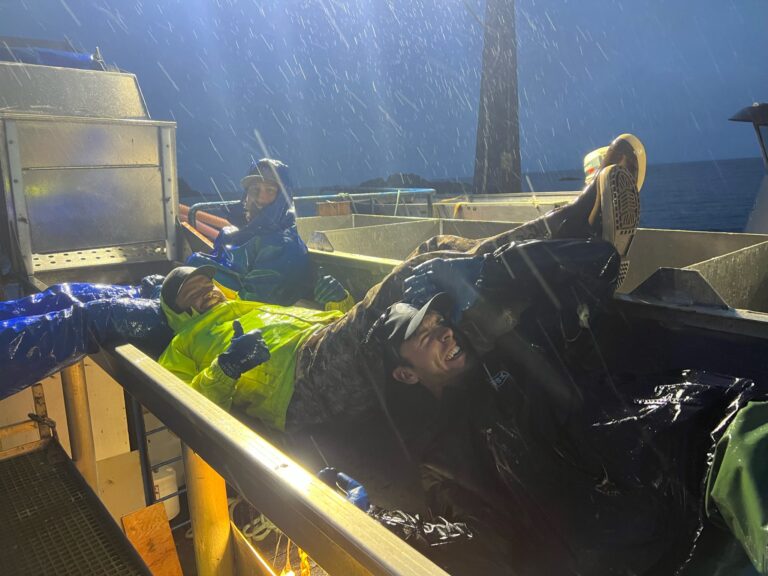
pixel 266 260
pixel 281 213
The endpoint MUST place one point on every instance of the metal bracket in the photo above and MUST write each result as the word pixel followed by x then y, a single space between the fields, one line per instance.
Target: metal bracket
pixel 112 255
pixel 195 208
pixel 319 241
pixel 679 287
pixel 21 216
pixel 44 420
pixel 169 187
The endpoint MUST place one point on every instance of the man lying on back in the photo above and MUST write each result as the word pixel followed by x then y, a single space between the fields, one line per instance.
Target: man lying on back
pixel 318 368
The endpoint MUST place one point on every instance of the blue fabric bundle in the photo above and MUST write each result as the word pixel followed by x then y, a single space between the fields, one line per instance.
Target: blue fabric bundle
pixel 45 332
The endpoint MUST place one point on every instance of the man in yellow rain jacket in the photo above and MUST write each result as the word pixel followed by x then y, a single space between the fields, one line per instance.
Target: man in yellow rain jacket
pixel 212 352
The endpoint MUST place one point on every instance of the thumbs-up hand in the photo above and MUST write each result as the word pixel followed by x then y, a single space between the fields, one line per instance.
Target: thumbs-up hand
pixel 245 351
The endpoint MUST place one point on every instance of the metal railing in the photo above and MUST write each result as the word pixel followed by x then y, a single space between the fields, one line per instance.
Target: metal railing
pixel 350 194
pixel 372 194
pixel 195 208
pixel 338 536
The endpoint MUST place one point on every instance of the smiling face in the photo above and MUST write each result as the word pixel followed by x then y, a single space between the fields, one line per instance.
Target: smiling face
pixel 199 293
pixel 258 196
pixel 435 357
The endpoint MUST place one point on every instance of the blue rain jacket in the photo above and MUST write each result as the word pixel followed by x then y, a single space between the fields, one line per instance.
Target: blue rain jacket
pixel 266 260
pixel 45 332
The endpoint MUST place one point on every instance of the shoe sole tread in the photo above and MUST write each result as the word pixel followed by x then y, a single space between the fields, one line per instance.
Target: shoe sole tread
pixel 620 205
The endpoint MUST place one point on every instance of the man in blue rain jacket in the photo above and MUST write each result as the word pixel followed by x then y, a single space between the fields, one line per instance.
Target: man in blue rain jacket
pixel 265 260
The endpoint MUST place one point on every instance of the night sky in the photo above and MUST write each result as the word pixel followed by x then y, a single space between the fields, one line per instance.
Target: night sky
pixel 347 91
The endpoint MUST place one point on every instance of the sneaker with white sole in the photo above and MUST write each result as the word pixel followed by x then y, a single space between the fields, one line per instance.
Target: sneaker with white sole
pixel 619 210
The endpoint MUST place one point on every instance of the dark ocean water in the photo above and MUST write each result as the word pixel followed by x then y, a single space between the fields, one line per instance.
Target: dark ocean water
pixel 713 195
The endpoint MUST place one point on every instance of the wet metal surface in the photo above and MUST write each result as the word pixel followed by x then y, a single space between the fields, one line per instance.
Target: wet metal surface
pixel 53 524
pixel 63 91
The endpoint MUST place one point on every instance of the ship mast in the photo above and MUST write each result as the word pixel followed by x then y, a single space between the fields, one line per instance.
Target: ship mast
pixel 497 154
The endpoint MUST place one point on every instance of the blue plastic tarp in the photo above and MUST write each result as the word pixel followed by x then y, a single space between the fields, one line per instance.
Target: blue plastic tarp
pixel 43 333
pixel 50 57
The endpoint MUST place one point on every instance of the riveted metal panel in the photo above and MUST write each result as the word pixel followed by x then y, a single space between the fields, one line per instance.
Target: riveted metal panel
pixel 93 257
pixel 46 144
pixel 92 208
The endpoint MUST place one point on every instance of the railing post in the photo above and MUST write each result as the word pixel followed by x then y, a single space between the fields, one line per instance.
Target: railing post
pixel 79 422
pixel 207 497
pixel 138 436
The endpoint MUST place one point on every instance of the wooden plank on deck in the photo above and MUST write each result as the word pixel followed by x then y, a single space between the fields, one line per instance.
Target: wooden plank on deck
pixel 149 532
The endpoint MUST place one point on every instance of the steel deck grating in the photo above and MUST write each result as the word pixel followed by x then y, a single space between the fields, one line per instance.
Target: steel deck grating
pixel 51 523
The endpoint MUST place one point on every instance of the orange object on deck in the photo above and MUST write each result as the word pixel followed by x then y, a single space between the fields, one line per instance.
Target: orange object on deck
pixel 206 223
pixel 205 217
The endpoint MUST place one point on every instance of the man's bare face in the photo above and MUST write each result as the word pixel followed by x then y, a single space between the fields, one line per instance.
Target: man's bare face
pixel 200 294
pixel 436 357
pixel 258 196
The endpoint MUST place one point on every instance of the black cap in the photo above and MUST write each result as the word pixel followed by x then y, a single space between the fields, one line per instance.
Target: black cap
pixel 400 322
pixel 175 280
pixel 265 170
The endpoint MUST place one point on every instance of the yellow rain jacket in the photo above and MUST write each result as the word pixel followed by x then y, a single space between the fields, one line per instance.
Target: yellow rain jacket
pixel 262 392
